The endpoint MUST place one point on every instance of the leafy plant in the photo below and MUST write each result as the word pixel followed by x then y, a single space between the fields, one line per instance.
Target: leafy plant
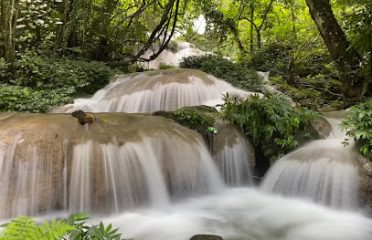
pixel 358 125
pixel 238 74
pixel 72 228
pixel 40 83
pixel 270 121
pixel 196 118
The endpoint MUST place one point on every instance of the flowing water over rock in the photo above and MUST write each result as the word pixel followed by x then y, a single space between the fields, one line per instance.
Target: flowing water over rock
pixel 234 155
pixel 145 169
pixel 51 162
pixel 324 171
pixel 152 91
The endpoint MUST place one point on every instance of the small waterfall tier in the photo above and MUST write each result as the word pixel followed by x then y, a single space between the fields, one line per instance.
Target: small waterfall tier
pixel 152 91
pixel 51 162
pixel 234 155
pixel 323 171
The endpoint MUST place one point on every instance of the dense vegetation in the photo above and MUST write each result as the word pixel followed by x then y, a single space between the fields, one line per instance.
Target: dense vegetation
pixel 358 125
pixel 37 36
pixel 240 75
pixel 72 228
pixel 317 53
pixel 271 122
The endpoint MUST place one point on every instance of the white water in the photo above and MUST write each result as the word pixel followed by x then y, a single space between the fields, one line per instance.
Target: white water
pixel 243 214
pixel 163 164
pixel 166 90
pixel 234 155
pixel 185 49
pixel 324 171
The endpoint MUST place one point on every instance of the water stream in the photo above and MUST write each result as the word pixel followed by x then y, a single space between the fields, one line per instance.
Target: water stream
pixel 155 179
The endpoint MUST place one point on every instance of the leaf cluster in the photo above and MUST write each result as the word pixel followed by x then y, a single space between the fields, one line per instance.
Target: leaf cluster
pixel 271 122
pixel 40 83
pixel 196 118
pixel 358 125
pixel 238 74
pixel 72 228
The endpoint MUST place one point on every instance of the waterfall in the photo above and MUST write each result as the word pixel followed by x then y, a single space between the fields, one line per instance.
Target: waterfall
pixel 324 171
pixel 152 91
pixel 170 90
pixel 234 155
pixel 119 162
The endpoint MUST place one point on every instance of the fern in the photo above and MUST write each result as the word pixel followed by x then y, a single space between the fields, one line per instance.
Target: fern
pixel 72 228
pixel 53 230
pixel 21 228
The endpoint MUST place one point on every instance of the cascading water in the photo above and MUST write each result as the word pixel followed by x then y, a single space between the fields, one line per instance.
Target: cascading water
pixel 324 171
pixel 170 90
pixel 153 173
pixel 234 155
pixel 51 162
pixel 152 91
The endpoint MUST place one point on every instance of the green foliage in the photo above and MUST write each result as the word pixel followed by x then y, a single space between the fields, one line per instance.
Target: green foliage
pixel 37 24
pixel 165 66
pixel 238 74
pixel 34 70
pixel 270 122
pixel 358 125
pixel 312 91
pixel 315 79
pixel 172 46
pixel 40 83
pixel 72 228
pixel 4 70
pixel 25 99
pixel 273 57
pixel 25 228
pixel 196 118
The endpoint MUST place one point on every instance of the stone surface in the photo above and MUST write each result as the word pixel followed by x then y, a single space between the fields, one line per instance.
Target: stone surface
pixel 206 237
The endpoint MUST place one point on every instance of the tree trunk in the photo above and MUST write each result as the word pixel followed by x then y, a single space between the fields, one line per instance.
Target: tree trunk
pixel 8 18
pixel 346 57
pixel 259 44
pixel 251 44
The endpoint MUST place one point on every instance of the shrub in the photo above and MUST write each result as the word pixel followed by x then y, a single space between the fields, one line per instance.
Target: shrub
pixel 270 122
pixel 4 71
pixel 173 46
pixel 238 74
pixel 358 125
pixel 40 83
pixel 34 70
pixel 165 66
pixel 25 99
pixel 312 91
pixel 73 228
pixel 196 118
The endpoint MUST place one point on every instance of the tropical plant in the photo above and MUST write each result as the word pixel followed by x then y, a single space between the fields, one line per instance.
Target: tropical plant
pixel 196 118
pixel 72 228
pixel 358 125
pixel 270 121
